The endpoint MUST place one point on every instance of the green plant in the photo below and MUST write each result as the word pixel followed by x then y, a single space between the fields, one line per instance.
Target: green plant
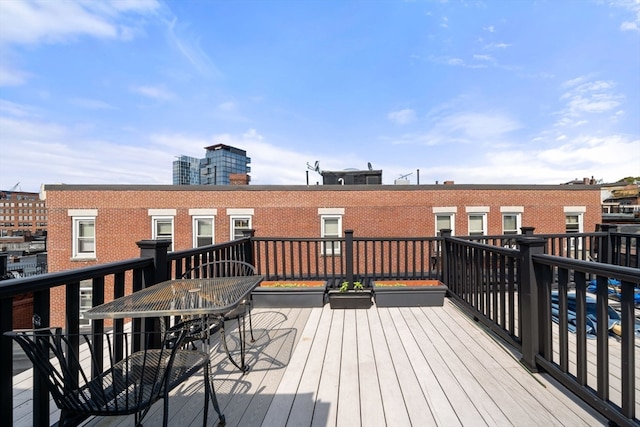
pixel 357 286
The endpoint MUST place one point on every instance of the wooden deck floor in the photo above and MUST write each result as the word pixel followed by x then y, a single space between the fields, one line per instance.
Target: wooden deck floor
pixel 377 367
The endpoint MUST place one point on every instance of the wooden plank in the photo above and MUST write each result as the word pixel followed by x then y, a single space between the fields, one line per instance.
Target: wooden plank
pixel 304 404
pixel 349 391
pixel 327 414
pixel 372 411
pixel 265 379
pixel 395 411
pixel 278 411
pixel 425 366
pixel 499 389
pixel 414 399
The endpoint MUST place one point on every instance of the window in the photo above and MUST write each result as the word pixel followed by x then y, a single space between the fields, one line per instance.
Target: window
pixel 573 223
pixel 477 224
pixel 83 232
pixel 510 223
pixel 202 231
pixel 84 237
pixel 331 228
pixel 477 220
pixel 241 221
pixel 163 229
pixel 445 218
pixel 239 225
pixel 444 222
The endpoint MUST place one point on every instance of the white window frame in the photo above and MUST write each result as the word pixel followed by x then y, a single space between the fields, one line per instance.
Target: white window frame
pixel 233 228
pixel 77 238
pixel 480 211
pixel 198 215
pixel 77 217
pixel 452 221
pixel 155 220
pixel 515 211
pixel 574 211
pixel 196 236
pixel 330 248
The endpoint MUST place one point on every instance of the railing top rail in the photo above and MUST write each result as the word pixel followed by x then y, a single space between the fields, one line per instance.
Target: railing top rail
pixel 628 274
pixel 11 287
pixel 484 246
pixel 172 256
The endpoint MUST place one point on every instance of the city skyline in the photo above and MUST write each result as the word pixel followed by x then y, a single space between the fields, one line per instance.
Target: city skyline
pixel 473 92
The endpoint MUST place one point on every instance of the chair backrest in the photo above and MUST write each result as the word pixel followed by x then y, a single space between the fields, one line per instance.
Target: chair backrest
pixel 71 378
pixel 222 268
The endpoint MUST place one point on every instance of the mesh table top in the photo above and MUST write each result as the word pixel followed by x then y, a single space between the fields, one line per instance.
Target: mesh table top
pixel 180 297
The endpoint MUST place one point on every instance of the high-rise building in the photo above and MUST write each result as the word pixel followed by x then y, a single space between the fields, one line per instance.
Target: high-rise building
pixel 215 168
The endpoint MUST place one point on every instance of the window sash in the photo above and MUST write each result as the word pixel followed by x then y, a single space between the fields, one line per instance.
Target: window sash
pixel 163 230
pixel 331 228
pixel 476 225
pixel 203 232
pixel 238 225
pixel 510 223
pixel 444 222
pixel 84 241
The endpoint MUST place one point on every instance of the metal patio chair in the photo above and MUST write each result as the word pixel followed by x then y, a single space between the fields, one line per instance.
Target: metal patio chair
pixel 129 384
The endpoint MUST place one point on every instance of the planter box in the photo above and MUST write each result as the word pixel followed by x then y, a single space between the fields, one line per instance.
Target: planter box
pixel 350 299
pixel 283 296
pixel 409 293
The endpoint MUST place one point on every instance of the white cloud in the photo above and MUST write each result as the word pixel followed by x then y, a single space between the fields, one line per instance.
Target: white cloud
pixel 402 117
pixel 585 97
pixel 59 21
pixel 629 26
pixel 492 46
pixel 490 29
pixel 153 92
pixel 91 104
pixel 483 57
pixel 12 77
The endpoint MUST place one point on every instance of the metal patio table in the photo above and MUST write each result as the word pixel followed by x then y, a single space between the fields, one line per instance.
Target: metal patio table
pixel 209 298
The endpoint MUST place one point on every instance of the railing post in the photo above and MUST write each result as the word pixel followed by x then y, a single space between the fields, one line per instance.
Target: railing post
pixel 156 249
pixel 444 253
pixel 248 246
pixel 605 251
pixel 3 265
pixel 527 231
pixel 529 307
pixel 348 256
pixel 6 357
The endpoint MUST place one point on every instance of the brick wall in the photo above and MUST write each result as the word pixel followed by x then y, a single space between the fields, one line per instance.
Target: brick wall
pixel 283 211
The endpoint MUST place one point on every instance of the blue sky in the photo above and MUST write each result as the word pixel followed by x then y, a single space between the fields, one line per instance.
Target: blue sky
pixel 514 92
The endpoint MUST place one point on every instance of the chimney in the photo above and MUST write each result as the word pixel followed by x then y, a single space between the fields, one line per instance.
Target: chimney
pixel 448 182
pixel 239 179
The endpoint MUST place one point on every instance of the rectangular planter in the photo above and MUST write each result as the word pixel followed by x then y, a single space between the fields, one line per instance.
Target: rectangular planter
pixel 429 295
pixel 350 299
pixel 283 297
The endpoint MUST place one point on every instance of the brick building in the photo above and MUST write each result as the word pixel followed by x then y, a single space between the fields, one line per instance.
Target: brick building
pixel 90 224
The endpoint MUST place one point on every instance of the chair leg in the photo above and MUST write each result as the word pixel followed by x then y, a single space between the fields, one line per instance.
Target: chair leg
pixel 251 326
pixel 211 391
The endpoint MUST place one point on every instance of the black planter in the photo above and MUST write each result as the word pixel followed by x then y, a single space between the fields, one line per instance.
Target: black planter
pixel 272 297
pixel 350 299
pixel 410 296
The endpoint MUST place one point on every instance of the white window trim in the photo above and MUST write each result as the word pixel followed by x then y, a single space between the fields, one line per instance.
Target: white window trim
pixel 154 228
pixel 580 215
pixel 330 250
pixel 232 230
pixel 452 216
pixel 484 222
pixel 76 254
pixel 518 216
pixel 194 228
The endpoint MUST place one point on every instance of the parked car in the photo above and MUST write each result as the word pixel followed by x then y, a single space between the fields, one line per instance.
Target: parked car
pixel 614 318
pixel 614 289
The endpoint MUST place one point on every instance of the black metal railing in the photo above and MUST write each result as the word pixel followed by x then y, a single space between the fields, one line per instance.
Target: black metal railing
pixel 502 281
pixel 510 291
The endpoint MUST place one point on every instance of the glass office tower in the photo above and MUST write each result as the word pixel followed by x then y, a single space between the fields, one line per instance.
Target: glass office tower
pixel 220 161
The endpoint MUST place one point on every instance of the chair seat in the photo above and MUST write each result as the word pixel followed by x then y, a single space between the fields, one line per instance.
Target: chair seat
pixel 135 382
